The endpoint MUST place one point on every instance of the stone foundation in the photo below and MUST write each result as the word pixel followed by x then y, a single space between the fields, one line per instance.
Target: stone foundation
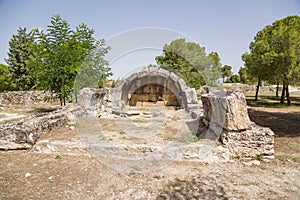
pixel 250 143
pixel 24 133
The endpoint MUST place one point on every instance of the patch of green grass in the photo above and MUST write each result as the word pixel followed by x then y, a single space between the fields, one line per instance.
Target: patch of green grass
pixel 139 120
pixel 134 170
pixel 139 108
pixel 185 138
pixel 271 101
pixel 176 118
pixel 171 108
pixel 157 177
pixel 7 121
pixel 286 158
pixel 294 145
pixel 131 173
pixel 58 157
pixel 260 157
pixel 108 125
pixel 81 124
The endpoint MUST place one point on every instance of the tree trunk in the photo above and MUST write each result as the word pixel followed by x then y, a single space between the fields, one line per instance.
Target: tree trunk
pixel 288 95
pixel 282 94
pixel 257 89
pixel 76 97
pixel 60 100
pixel 277 90
pixel 64 100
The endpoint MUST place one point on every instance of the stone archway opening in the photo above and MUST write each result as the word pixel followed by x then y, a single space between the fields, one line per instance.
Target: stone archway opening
pixel 153 94
pixel 155 85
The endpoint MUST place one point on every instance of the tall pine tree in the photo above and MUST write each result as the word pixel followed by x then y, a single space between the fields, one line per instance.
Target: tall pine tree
pixel 19 55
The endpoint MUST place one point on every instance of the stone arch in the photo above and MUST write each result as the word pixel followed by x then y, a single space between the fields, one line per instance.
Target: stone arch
pixel 157 77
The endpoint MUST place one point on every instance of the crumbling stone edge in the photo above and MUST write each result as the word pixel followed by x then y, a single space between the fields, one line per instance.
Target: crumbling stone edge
pixel 24 133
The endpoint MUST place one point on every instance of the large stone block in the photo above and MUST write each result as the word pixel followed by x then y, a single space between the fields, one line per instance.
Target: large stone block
pixel 191 97
pixel 226 109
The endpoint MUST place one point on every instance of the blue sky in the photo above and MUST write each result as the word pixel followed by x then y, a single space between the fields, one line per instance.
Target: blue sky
pixel 226 27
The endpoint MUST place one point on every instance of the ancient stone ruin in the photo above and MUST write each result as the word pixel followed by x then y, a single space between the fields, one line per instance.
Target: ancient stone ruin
pixel 226 118
pixel 156 86
pixel 25 97
pixel 223 118
pixel 150 86
pixel 24 133
pixel 221 115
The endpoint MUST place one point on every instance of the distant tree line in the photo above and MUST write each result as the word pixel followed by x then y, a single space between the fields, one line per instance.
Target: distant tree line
pixel 274 56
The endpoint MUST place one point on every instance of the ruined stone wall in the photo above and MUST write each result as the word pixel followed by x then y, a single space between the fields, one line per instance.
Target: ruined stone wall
pixel 226 118
pixel 25 97
pixel 24 133
pixel 96 102
pixel 257 141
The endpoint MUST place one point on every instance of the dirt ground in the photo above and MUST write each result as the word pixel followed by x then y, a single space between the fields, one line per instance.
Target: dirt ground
pixel 30 175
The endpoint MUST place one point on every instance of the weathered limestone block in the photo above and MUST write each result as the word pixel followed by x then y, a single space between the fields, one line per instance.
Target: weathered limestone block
pixel 24 133
pixel 226 109
pixel 249 143
pixel 226 118
pixel 191 97
pixel 90 99
pixel 96 102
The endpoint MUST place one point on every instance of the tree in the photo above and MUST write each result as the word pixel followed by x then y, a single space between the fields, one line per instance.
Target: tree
pixel 19 54
pixel 215 59
pixel 235 78
pixel 5 78
pixel 93 72
pixel 189 60
pixel 243 75
pixel 226 72
pixel 275 54
pixel 59 54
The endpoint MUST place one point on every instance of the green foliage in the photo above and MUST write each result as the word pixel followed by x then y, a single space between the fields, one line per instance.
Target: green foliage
pixel 234 79
pixel 189 60
pixel 60 53
pixel 58 157
pixel 215 59
pixel 275 53
pixel 5 78
pixel 243 75
pixel 18 55
pixel 93 72
pixel 226 72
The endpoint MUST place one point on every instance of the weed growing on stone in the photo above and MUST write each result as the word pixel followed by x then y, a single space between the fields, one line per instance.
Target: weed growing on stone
pixel 58 157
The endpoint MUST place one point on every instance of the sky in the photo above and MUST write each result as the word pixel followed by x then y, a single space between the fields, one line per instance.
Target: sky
pixel 137 30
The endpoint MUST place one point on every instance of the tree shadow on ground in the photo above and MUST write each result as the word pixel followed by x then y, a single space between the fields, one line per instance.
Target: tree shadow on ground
pixel 272 102
pixel 43 110
pixel 282 124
